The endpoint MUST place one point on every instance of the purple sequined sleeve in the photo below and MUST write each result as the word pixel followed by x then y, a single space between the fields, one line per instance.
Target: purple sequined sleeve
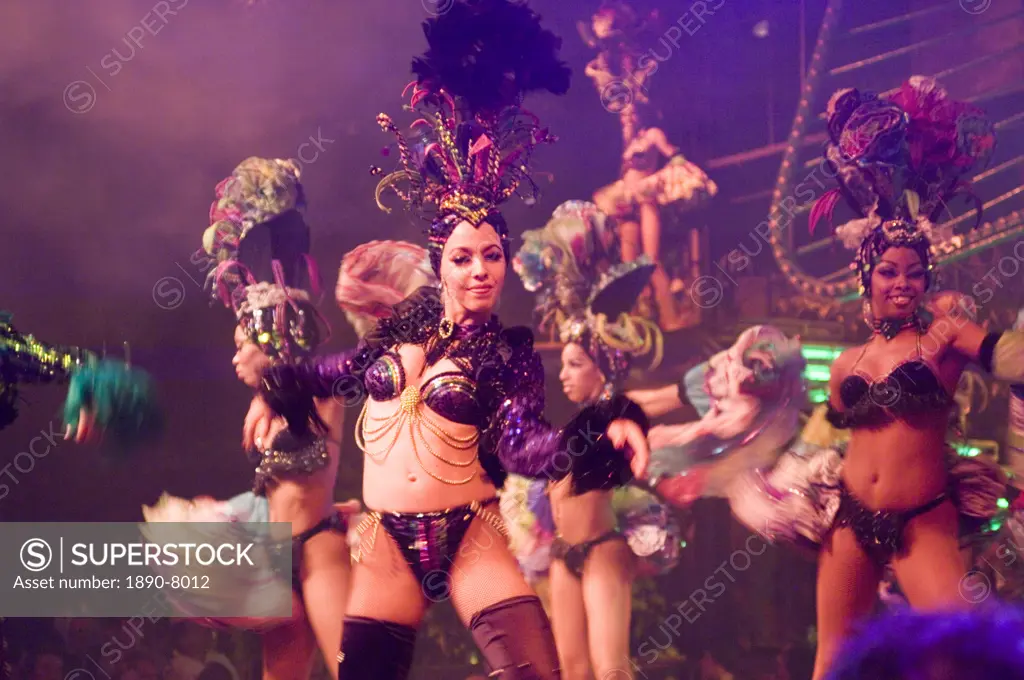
pixel 525 443
pixel 289 389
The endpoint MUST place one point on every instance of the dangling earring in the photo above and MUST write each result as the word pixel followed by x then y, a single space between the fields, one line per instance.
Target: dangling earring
pixel 446 326
pixel 869 317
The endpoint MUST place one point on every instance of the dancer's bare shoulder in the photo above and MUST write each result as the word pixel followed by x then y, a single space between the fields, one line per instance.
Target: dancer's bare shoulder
pixel 843 363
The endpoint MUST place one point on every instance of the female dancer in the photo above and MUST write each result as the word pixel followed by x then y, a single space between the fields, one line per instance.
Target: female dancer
pixel 584 293
pixel 104 396
pixel 894 498
pixel 455 400
pixel 261 242
pixel 648 184
pixel 621 36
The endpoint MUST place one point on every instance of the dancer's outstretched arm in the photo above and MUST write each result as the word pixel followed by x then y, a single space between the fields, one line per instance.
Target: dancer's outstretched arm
pixel 528 445
pixel 657 401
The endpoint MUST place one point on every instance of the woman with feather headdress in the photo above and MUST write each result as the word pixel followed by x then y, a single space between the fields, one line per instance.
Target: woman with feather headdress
pixel 895 496
pixel 265 275
pixel 454 400
pixel 584 294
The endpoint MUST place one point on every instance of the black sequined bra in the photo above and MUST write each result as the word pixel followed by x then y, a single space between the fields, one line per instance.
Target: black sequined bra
pixel 910 389
pixel 289 457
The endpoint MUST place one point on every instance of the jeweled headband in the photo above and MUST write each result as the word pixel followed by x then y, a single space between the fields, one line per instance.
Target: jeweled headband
pixel 261 244
pixel 899 160
pixel 469 151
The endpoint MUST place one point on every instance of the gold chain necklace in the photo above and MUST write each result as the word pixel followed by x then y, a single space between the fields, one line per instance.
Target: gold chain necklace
pixel 411 408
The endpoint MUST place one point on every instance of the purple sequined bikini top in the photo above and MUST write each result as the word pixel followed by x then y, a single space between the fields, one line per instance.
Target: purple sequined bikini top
pixel 449 394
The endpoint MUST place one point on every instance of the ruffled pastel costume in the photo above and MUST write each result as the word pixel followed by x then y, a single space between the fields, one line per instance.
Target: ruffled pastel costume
pixel 376 276
pixel 679 184
pixel 256 596
pixel 749 398
pixel 527 513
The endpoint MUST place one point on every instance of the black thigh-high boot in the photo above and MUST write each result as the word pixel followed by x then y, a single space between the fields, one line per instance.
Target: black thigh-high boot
pixel 515 638
pixel 375 650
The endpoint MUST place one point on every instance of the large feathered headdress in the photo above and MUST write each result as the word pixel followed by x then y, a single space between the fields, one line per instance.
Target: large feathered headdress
pixel 584 290
pixel 264 271
pixel 899 160
pixel 469 150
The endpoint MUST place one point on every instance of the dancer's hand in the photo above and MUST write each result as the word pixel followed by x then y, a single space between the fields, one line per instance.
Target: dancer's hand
pixel 258 424
pixel 87 431
pixel 682 490
pixel 627 435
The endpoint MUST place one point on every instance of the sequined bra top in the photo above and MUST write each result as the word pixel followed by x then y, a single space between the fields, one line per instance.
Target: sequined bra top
pixel 449 394
pixel 422 418
pixel 643 159
pixel 910 389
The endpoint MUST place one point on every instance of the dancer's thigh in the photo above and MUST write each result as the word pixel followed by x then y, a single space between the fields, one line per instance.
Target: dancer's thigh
pixel 846 591
pixel 383 587
pixel 326 568
pixel 288 651
pixel 569 622
pixel 931 574
pixel 484 571
pixel 608 595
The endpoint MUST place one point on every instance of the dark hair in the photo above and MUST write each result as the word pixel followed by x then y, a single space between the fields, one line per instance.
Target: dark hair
pixel 981 644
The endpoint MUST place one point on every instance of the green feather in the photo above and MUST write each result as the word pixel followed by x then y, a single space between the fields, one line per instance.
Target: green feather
pixel 122 399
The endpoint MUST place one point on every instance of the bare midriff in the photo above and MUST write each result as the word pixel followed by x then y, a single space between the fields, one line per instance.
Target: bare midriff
pixel 899 465
pixel 398 483
pixel 304 500
pixel 583 517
